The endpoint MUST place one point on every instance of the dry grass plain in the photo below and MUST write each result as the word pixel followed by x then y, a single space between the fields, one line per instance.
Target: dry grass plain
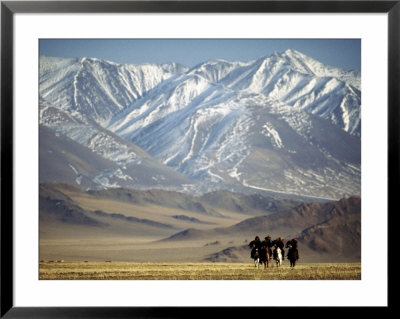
pixel 196 271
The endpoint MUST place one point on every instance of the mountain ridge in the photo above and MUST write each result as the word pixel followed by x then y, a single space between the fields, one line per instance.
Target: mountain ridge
pixel 328 231
pixel 219 123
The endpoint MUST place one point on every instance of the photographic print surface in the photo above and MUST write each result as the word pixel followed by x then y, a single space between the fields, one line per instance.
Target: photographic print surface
pixel 165 158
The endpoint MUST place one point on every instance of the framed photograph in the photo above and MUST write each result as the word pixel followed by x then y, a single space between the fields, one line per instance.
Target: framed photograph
pixel 161 158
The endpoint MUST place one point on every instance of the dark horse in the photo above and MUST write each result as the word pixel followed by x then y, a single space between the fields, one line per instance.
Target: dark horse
pixel 264 256
pixel 255 254
pixel 293 253
pixel 255 246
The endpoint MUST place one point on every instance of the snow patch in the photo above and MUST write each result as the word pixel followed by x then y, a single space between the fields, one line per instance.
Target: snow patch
pixel 74 169
pixel 270 132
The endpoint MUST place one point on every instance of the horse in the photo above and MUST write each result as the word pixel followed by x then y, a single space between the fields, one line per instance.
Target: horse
pixel 278 256
pixel 264 256
pixel 256 257
pixel 293 256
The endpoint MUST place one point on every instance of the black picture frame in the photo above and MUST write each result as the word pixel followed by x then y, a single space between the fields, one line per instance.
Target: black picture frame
pixel 9 8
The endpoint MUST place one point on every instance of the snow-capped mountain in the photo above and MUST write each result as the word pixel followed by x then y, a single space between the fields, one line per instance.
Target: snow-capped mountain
pixel 297 80
pixel 79 151
pixel 96 88
pixel 283 123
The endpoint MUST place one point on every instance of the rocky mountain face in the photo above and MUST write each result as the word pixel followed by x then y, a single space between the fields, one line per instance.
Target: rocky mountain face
pixel 325 232
pixel 280 125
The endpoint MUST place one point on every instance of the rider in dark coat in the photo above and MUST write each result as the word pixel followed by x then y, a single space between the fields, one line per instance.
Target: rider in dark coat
pixel 294 243
pixel 267 243
pixel 293 253
pixel 254 244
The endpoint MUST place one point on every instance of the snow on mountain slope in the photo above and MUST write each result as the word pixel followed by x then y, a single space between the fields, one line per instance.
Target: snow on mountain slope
pixel 284 123
pixel 96 88
pixel 216 70
pixel 78 94
pixel 261 146
pixel 309 65
pixel 304 83
pixel 181 93
pixel 75 144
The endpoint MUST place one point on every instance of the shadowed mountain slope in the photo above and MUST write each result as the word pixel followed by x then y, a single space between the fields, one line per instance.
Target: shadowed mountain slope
pixel 329 231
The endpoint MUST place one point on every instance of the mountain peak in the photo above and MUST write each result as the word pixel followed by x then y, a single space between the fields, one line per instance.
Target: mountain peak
pixel 293 52
pixel 225 125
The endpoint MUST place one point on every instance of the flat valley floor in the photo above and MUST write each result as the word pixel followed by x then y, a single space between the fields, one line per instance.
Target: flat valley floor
pixel 60 270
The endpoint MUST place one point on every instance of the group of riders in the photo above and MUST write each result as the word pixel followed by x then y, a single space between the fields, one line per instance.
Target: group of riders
pixel 262 248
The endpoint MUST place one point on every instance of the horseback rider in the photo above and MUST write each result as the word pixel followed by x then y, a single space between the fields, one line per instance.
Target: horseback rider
pixel 267 243
pixel 254 245
pixel 279 243
pixel 274 252
pixel 293 254
pixel 292 243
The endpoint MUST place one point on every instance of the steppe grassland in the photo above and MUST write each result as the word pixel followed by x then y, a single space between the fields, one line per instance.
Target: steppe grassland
pixel 196 271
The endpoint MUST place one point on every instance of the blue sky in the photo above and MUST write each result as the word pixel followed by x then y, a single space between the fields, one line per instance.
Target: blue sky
pixel 344 53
